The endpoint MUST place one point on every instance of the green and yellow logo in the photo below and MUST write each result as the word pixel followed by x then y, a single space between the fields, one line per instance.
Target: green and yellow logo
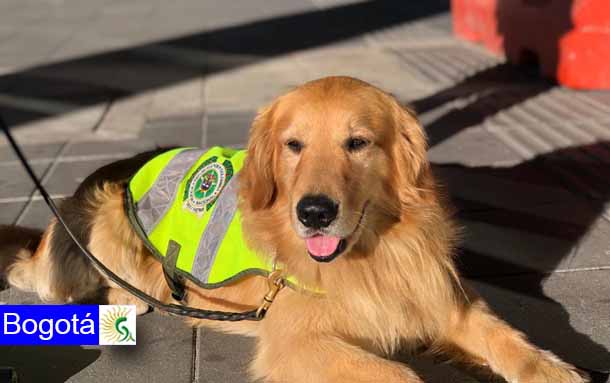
pixel 206 183
pixel 117 325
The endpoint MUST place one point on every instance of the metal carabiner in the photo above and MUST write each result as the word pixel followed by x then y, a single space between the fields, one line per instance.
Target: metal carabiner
pixel 275 283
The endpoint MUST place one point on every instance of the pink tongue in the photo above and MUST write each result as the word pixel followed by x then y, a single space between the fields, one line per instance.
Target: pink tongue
pixel 322 246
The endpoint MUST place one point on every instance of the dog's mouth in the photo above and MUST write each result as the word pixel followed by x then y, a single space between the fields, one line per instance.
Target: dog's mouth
pixel 325 248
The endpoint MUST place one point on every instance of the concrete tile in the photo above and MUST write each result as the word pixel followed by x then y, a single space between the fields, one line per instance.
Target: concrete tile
pixel 164 353
pixel 222 357
pixel 32 152
pixel 558 118
pixel 175 100
pixel 36 215
pixel 253 86
pixel 436 29
pixel 13 296
pixel 461 148
pixel 29 47
pixel 200 15
pixel 14 181
pixel 492 189
pixel 228 129
pixel 61 127
pixel 10 211
pixel 175 131
pixel 66 176
pixel 380 67
pixel 489 249
pixel 54 364
pixel 444 65
pixel 127 115
pixel 593 249
pixel 565 313
pixel 123 148
pixel 87 42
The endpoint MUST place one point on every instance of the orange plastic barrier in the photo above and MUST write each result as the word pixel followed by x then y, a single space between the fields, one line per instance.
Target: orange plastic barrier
pixel 570 39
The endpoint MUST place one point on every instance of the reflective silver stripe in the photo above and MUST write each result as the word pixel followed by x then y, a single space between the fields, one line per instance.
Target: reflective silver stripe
pixel 159 198
pixel 216 229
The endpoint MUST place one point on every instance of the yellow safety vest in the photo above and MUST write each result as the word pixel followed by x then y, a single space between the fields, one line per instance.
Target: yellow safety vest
pixel 183 205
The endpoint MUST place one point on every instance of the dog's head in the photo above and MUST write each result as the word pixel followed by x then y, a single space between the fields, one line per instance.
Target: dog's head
pixel 330 163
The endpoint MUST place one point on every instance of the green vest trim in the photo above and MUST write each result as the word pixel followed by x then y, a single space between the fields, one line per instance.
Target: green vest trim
pixel 188 198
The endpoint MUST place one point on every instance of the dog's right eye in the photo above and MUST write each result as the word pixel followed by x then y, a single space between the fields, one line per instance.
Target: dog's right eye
pixel 295 146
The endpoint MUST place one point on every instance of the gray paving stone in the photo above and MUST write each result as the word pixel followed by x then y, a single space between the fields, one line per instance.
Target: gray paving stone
pixel 500 250
pixel 12 296
pixel 378 66
pixel 127 116
pixel 444 65
pixel 36 214
pixel 435 29
pixel 177 131
pixel 593 250
pixel 60 126
pixel 222 357
pixel 228 129
pixel 552 120
pixel 108 148
pixel 183 98
pixel 65 177
pixel 32 152
pixel 164 353
pixel 459 149
pixel 501 192
pixel 10 211
pixel 53 364
pixel 14 182
pixel 566 313
pixel 258 84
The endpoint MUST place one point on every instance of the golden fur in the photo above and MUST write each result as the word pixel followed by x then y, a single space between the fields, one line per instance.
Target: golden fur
pixel 394 288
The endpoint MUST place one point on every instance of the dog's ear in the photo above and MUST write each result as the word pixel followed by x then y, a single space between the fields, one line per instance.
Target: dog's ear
pixel 258 176
pixel 409 152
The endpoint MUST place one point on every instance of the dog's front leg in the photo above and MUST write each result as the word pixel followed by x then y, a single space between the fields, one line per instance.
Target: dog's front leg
pixel 323 359
pixel 478 332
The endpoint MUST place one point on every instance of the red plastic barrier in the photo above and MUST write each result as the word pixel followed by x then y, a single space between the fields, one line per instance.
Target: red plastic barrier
pixel 569 38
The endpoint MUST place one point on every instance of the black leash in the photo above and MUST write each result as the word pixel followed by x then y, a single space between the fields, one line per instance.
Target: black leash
pixel 172 309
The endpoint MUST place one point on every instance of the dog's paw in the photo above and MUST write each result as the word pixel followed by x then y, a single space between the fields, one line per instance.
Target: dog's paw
pixel 550 369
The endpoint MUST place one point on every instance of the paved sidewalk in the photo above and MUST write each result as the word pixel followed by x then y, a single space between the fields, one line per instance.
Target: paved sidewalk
pixel 525 162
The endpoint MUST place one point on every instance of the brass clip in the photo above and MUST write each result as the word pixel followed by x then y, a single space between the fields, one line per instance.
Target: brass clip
pixel 275 283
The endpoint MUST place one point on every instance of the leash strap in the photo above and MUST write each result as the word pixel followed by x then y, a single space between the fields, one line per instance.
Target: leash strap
pixel 172 309
pixel 172 278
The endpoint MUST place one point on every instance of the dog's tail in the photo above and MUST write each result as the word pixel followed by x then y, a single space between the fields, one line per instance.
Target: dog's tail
pixel 17 248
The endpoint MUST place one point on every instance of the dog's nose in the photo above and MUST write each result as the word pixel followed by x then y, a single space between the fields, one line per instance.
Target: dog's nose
pixel 317 211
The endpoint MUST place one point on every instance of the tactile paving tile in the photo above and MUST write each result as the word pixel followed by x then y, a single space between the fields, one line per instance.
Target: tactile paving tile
pixel 554 119
pixel 445 65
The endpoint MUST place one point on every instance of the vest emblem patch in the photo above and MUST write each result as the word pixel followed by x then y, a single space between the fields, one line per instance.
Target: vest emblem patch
pixel 206 183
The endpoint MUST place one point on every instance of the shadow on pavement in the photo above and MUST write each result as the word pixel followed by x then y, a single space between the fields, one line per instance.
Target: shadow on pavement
pixel 583 171
pixel 47 364
pixel 479 96
pixel 511 267
pixel 70 85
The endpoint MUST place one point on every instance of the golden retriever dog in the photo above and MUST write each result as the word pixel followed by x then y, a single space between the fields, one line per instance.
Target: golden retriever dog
pixel 337 189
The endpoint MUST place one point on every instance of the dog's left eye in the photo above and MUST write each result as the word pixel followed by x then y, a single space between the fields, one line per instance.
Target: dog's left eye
pixel 354 144
pixel 295 146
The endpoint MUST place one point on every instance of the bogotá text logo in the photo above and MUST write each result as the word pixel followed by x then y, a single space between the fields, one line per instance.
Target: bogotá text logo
pixel 117 325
